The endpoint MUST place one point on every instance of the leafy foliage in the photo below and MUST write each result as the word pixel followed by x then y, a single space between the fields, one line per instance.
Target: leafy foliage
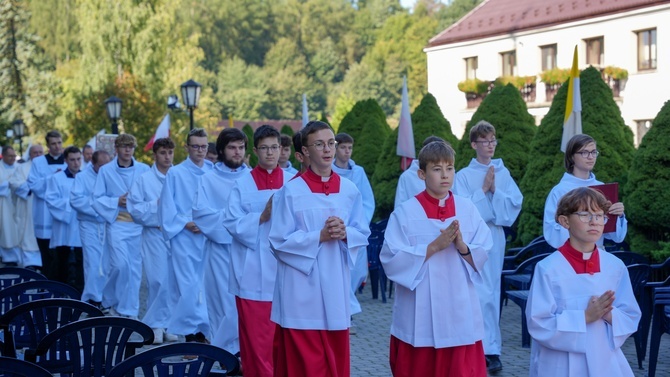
pixel 647 194
pixel 601 119
pixel 253 158
pixel 427 120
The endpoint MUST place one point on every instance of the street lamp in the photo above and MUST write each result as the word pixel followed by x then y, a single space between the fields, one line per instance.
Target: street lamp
pixel 19 132
pixel 190 93
pixel 113 105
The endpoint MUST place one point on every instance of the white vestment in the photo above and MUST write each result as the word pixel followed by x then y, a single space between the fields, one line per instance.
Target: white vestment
pixel 209 205
pixel 122 290
pixel 9 232
pixel 143 207
pixel 554 233
pixel 564 345
pixel 289 169
pixel 23 215
pixel 313 284
pixel 498 209
pixel 92 231
pixel 37 183
pixel 409 184
pixel 187 249
pixel 65 226
pixel 356 174
pixel 436 302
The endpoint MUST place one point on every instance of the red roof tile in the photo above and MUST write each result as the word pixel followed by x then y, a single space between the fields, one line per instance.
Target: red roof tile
pixel 500 17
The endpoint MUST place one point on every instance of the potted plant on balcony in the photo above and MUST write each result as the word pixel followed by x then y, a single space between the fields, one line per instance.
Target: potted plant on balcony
pixel 525 84
pixel 475 90
pixel 615 77
pixel 553 79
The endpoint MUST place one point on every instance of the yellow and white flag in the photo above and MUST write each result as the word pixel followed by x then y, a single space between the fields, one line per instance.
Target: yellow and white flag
pixel 572 122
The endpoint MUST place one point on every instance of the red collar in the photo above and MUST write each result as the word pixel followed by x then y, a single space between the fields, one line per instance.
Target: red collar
pixel 318 186
pixel 576 259
pixel 433 209
pixel 298 174
pixel 268 181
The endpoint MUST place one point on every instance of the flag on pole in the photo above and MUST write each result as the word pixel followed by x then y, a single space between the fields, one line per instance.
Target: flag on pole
pixel 162 131
pixel 305 113
pixel 572 122
pixel 92 141
pixel 405 147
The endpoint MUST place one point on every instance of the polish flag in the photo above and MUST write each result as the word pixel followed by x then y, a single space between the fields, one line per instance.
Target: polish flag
pixel 162 131
pixel 405 146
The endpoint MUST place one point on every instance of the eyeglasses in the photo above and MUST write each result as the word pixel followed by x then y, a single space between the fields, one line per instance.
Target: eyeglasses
pixel 265 148
pixel 199 147
pixel 587 217
pixel 486 143
pixel 594 153
pixel 319 145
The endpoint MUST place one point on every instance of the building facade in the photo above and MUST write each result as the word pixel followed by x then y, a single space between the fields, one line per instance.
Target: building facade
pixel 528 37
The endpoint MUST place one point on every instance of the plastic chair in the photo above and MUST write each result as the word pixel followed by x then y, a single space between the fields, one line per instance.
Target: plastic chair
pixel 92 346
pixel 169 360
pixel 647 307
pixel 630 257
pixel 639 273
pixel 26 324
pixel 660 324
pixel 10 367
pixel 520 297
pixel 522 281
pixel 14 275
pixel 377 275
pixel 35 290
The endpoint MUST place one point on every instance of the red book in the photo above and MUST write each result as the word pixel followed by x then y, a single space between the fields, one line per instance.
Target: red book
pixel 611 192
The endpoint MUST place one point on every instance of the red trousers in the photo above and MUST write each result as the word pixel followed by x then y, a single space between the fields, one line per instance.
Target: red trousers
pixel 461 361
pixel 311 353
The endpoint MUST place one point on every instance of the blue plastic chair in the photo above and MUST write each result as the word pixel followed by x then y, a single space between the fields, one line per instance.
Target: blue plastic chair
pixel 28 291
pixel 14 275
pixel 10 367
pixel 630 257
pixel 520 296
pixel 639 274
pixel 521 281
pixel 173 360
pixel 91 347
pixel 659 325
pixel 26 324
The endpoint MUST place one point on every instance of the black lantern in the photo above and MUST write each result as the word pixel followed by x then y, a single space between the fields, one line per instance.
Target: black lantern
pixel 113 105
pixel 19 132
pixel 190 93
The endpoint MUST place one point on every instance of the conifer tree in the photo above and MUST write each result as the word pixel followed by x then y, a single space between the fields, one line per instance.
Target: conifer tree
pixel 647 193
pixel 601 119
pixel 427 120
pixel 253 159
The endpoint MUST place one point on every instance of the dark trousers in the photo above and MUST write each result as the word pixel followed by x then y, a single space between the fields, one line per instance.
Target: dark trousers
pixel 68 266
pixel 47 257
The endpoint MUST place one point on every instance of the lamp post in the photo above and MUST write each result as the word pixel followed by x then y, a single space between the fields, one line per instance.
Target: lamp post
pixel 19 132
pixel 190 93
pixel 113 105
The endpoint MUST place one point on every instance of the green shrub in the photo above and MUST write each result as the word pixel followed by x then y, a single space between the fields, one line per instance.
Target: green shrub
pixel 601 119
pixel 647 194
pixel 476 86
pixel 253 159
pixel 427 120
pixel 555 76
pixel 517 81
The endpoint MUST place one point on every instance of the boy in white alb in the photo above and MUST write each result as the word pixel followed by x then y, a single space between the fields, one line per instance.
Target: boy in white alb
pixel 488 183
pixel 284 155
pixel 318 226
pixel 143 207
pixel 435 245
pixel 409 183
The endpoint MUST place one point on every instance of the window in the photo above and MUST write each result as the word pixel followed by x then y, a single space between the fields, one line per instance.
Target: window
pixel 646 49
pixel 508 63
pixel 548 57
pixel 642 127
pixel 595 51
pixel 471 67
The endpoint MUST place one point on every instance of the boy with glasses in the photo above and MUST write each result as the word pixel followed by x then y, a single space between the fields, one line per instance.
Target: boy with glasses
pixel 488 183
pixel 187 244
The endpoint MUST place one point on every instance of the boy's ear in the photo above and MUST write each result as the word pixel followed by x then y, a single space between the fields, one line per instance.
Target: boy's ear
pixel 563 220
pixel 421 174
pixel 473 145
pixel 298 156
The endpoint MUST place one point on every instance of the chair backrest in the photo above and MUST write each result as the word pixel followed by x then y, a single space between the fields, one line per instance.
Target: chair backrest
pixel 537 247
pixel 168 361
pixel 527 266
pixel 379 227
pixel 14 275
pixel 375 243
pixel 639 275
pixel 630 257
pixel 35 290
pixel 661 296
pixel 93 346
pixel 11 367
pixel 26 324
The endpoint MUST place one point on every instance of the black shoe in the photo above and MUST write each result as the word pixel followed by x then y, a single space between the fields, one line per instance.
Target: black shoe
pixel 197 338
pixel 493 363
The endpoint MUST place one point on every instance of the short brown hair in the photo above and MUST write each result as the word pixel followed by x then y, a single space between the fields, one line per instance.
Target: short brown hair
pixel 344 138
pixel 580 199
pixel 196 132
pixel 125 139
pixel 164 142
pixel 285 141
pixel 436 152
pixel 481 129
pixel 576 143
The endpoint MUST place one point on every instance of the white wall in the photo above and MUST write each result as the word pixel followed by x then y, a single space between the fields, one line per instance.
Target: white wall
pixel 645 92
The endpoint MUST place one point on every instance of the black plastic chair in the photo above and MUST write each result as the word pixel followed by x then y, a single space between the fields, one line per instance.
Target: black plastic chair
pixel 630 257
pixel 28 291
pixel 639 273
pixel 521 281
pixel 92 346
pixel 659 326
pixel 174 360
pixel 26 324
pixel 10 367
pixel 657 270
pixel 520 296
pixel 15 275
